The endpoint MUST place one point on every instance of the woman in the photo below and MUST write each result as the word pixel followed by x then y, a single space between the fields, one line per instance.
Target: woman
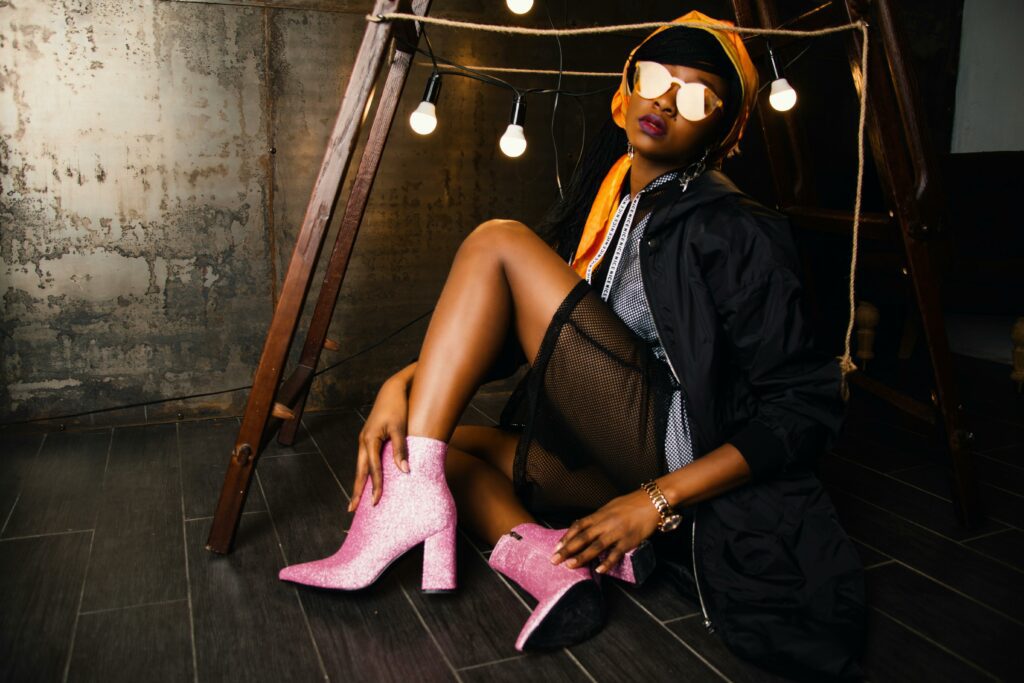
pixel 673 393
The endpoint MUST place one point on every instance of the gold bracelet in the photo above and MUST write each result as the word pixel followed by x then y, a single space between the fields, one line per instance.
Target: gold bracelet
pixel 670 519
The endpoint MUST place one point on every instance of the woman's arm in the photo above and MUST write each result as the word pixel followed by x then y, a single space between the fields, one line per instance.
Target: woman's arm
pixel 386 421
pixel 624 522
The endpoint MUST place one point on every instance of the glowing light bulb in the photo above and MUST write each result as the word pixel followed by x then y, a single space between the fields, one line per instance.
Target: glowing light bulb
pixel 782 96
pixel 519 6
pixel 423 119
pixel 513 142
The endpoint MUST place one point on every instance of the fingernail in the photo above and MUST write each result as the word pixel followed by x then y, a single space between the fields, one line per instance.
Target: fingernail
pixel 559 546
pixel 405 467
pixel 601 569
pixel 571 563
pixel 554 558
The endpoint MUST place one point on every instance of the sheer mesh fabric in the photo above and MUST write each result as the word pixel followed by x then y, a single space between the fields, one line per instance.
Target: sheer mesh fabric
pixel 592 411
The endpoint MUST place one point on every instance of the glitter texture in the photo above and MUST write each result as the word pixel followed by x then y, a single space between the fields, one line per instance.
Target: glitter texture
pixel 414 508
pixel 634 567
pixel 524 555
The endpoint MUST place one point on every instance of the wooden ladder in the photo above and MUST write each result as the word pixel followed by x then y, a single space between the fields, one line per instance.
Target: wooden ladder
pixel 908 174
pixel 273 404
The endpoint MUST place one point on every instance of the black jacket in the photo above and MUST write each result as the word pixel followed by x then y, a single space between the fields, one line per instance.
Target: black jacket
pixel 776 575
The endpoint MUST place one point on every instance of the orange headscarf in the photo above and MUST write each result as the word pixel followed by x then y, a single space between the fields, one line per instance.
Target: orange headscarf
pixel 602 211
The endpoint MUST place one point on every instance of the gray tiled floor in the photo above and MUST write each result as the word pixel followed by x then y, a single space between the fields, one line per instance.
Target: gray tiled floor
pixel 104 574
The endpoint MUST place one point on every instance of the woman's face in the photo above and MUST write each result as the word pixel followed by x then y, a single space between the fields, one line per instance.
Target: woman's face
pixel 660 134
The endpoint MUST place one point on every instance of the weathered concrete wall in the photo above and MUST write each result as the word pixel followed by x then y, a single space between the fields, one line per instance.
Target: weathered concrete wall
pixel 155 162
pixel 133 244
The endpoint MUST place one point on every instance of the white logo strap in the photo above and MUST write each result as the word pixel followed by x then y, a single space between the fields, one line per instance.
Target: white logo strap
pixel 607 238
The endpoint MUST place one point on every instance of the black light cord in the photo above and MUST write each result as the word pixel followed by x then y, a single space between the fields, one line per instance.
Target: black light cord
pixel 219 392
pixel 554 106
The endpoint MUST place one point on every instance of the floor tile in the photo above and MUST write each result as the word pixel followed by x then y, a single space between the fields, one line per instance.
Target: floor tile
pixel 661 598
pixel 994 502
pixel 550 667
pixel 18 451
pixel 337 436
pixel 711 647
pixel 374 634
pixel 249 626
pixel 634 646
pixel 896 496
pixel 895 653
pixel 62 485
pixel 308 505
pixel 984 637
pixel 878 455
pixel 138 554
pixel 147 642
pixel 998 473
pixel 40 587
pixel 477 623
pixel 869 556
pixel 205 447
pixel 1007 546
pixel 960 567
pixel 303 444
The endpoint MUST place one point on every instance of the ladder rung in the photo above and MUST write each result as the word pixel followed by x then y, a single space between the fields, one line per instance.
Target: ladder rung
pixel 874 226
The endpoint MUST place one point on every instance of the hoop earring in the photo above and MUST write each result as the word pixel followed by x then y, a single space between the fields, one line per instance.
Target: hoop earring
pixel 630 151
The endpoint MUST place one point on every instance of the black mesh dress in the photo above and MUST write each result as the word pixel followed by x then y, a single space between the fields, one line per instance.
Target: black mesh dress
pixel 593 409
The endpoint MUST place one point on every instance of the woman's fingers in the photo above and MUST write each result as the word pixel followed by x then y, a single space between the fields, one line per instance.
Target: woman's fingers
pixel 373 444
pixel 575 547
pixel 614 556
pixel 400 449
pixel 360 480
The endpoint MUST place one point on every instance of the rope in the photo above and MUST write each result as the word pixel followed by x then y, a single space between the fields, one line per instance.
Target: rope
pixel 593 30
pixel 546 72
pixel 846 364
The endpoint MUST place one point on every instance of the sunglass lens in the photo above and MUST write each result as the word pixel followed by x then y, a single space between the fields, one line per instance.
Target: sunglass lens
pixel 652 80
pixel 692 101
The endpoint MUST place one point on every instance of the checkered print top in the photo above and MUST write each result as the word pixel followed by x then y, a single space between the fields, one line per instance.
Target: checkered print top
pixel 624 291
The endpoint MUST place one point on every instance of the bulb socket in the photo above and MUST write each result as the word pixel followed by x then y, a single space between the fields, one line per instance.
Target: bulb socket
pixel 773 62
pixel 433 89
pixel 518 117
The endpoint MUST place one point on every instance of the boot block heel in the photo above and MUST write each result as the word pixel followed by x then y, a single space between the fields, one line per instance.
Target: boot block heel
pixel 439 562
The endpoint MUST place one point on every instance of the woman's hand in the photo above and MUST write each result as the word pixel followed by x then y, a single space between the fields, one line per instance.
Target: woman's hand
pixel 387 421
pixel 617 528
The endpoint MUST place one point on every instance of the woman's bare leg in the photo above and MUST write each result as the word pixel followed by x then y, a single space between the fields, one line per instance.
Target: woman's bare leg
pixel 503 275
pixel 479 473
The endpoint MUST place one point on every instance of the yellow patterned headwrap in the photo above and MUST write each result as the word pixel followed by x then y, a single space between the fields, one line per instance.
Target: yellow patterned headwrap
pixel 602 211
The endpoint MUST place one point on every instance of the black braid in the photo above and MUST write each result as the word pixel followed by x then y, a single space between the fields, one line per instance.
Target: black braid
pixel 562 225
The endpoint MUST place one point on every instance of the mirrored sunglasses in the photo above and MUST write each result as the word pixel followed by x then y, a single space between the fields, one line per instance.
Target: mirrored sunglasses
pixel 695 101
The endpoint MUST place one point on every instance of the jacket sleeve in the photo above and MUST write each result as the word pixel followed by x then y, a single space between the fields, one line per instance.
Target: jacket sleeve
pixel 749 265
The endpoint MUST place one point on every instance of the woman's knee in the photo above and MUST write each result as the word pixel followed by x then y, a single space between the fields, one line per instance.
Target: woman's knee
pixel 496 236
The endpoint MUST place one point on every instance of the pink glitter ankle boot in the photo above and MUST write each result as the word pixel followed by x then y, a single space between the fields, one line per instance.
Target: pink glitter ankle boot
pixel 570 607
pixel 414 508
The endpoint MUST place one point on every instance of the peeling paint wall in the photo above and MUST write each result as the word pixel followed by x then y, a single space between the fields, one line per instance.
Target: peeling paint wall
pixel 155 162
pixel 132 193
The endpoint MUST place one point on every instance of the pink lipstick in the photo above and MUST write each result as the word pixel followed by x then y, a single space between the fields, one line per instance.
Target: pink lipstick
pixel 652 125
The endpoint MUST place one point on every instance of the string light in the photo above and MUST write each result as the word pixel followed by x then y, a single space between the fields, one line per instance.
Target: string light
pixel 782 96
pixel 423 119
pixel 513 142
pixel 519 6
